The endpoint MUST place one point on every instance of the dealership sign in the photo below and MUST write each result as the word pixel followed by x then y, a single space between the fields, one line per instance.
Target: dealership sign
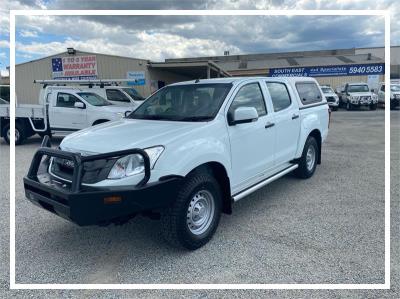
pixel 138 78
pixel 332 70
pixel 74 67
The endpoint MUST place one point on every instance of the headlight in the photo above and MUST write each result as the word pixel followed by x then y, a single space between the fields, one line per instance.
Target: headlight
pixel 374 97
pixel 353 97
pixel 134 164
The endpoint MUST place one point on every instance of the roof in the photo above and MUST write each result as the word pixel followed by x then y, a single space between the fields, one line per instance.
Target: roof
pixel 238 80
pixel 190 68
pixel 358 83
pixel 78 52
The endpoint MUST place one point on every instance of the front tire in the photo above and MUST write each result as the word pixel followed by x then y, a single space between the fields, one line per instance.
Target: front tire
pixel 194 216
pixel 373 106
pixel 309 159
pixel 349 106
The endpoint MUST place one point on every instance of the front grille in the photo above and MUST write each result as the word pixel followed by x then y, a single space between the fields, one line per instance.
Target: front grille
pixel 330 99
pixel 365 98
pixel 93 172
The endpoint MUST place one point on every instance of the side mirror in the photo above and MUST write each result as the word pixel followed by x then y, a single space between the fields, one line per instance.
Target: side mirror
pixel 79 105
pixel 372 90
pixel 243 115
pixel 127 113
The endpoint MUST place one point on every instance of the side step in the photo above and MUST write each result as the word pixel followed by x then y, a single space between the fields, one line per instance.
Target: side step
pixel 263 183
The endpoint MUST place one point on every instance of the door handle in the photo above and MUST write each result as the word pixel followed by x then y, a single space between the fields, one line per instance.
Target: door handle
pixel 294 116
pixel 269 125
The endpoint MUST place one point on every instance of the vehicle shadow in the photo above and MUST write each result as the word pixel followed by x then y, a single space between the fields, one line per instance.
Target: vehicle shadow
pixel 142 234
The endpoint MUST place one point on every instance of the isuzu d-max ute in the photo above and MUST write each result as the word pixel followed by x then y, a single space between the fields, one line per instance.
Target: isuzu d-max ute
pixel 185 155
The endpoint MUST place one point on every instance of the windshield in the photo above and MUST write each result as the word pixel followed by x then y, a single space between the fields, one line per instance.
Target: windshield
pixel 93 99
pixel 358 88
pixel 134 94
pixel 395 87
pixel 327 90
pixel 194 102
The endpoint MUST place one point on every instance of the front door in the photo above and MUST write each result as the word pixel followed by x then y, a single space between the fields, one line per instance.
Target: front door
pixel 252 144
pixel 64 116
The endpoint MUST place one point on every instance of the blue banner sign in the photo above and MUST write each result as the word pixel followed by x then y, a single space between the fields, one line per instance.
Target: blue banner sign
pixel 138 78
pixel 328 71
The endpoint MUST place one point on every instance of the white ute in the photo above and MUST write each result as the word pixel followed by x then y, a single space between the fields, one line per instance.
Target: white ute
pixel 331 97
pixel 110 89
pixel 185 155
pixel 62 110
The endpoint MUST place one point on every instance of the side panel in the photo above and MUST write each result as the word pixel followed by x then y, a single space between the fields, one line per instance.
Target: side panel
pixel 312 118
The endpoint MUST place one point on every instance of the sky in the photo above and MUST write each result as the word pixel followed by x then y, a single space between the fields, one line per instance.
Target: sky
pixel 160 37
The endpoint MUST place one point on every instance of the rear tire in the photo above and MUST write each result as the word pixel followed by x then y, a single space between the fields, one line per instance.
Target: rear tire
pixel 309 158
pixel 193 218
pixel 19 134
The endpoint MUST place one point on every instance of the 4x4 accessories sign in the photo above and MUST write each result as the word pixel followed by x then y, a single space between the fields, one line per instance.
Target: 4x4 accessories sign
pixel 331 70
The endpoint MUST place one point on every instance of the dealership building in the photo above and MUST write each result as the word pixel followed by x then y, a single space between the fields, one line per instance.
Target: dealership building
pixel 330 67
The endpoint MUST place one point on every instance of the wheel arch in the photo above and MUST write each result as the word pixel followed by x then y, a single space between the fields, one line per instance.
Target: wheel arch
pixel 219 172
pixel 318 137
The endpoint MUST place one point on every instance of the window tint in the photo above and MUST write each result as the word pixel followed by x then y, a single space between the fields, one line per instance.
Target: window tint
pixel 116 95
pixel 308 92
pixel 249 95
pixel 66 100
pixel 279 95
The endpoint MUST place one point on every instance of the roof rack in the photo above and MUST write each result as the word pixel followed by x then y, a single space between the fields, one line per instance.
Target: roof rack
pixel 88 82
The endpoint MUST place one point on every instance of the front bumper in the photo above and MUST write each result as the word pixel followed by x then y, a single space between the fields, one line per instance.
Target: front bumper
pixel 363 102
pixel 333 104
pixel 86 205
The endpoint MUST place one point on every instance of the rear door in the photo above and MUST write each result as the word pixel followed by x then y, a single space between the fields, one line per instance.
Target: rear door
pixel 63 116
pixel 252 144
pixel 286 119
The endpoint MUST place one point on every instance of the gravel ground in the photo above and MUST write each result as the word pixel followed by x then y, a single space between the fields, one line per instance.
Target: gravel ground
pixel 328 229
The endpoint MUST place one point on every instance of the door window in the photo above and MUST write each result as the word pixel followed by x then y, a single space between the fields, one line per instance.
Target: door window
pixel 309 92
pixel 279 95
pixel 249 95
pixel 116 95
pixel 66 100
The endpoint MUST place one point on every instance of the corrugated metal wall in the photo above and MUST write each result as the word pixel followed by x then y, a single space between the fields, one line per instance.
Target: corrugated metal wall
pixel 108 67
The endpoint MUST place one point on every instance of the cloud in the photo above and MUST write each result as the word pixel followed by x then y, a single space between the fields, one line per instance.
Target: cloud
pixel 4 44
pixel 28 33
pixel 159 37
pixel 172 36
